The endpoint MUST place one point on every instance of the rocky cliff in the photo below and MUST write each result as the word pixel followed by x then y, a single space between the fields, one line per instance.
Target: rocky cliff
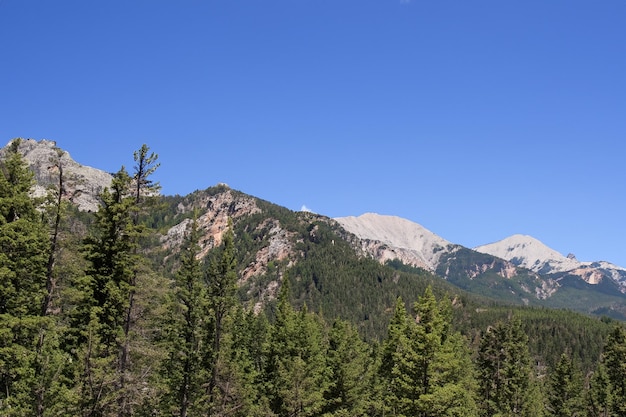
pixel 82 184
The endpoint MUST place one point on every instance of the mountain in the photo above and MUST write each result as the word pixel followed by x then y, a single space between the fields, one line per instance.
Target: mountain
pixel 353 266
pixel 530 253
pixel 391 237
pixel 519 269
pixel 82 184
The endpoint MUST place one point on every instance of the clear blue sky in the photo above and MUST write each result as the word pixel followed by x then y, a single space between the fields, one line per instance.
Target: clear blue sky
pixel 477 119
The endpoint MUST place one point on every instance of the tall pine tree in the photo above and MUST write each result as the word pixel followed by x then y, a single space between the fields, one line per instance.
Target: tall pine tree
pixel 505 370
pixel 24 246
pixel 182 368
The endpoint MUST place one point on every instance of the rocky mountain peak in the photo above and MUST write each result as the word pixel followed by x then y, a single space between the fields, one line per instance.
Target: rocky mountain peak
pixel 392 237
pixel 529 253
pixel 82 183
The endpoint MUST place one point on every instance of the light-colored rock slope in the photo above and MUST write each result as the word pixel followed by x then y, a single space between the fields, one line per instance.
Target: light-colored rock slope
pixel 405 240
pixel 530 253
pixel 82 183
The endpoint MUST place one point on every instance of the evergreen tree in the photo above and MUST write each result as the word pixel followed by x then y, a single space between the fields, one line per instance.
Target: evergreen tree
pixel 598 399
pixel 221 283
pixel 239 375
pixel 296 376
pixel 350 366
pixel 145 165
pixel 565 389
pixel 24 246
pixel 182 369
pixel 112 257
pixel 428 366
pixel 615 362
pixel 504 370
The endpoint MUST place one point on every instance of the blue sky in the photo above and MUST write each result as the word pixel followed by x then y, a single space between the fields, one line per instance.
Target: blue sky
pixel 477 119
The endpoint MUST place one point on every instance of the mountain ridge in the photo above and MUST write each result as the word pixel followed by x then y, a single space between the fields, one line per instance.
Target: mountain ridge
pixel 504 274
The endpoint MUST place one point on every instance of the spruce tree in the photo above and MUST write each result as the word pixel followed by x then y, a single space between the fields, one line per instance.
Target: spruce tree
pixel 598 396
pixel 504 370
pixel 427 366
pixel 182 368
pixel 615 361
pixel 24 244
pixel 296 376
pixel 221 287
pixel 102 312
pixel 565 389
pixel 350 367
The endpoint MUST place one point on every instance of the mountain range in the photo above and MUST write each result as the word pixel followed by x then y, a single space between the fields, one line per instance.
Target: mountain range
pixel 519 269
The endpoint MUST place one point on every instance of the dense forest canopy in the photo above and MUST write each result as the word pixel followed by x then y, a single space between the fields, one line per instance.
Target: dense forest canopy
pixel 99 318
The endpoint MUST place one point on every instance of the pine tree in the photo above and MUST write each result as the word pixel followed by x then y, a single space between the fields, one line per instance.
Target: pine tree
pixel 504 370
pixel 145 165
pixel 599 398
pixel 182 368
pixel 106 287
pixel 615 362
pixel 427 366
pixel 24 247
pixel 296 376
pixel 350 368
pixel 565 389
pixel 221 283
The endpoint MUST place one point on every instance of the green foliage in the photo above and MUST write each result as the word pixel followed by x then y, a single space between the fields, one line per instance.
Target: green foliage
pixel 351 368
pixel 565 388
pixel 426 367
pixel 24 252
pixel 505 370
pixel 615 362
pixel 182 369
pixel 296 374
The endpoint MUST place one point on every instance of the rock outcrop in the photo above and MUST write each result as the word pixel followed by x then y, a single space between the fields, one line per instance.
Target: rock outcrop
pixel 82 184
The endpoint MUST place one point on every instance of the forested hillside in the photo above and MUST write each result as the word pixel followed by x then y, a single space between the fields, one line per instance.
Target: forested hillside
pixel 221 304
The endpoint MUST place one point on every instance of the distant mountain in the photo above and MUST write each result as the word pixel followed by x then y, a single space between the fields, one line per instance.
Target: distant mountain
pixel 530 253
pixel 519 269
pixel 391 237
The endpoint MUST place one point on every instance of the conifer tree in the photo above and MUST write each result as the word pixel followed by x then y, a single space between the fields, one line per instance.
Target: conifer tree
pixel 182 369
pixel 565 389
pixel 350 368
pixel 615 361
pixel 221 283
pixel 297 376
pixel 598 396
pixel 142 186
pixel 102 312
pixel 24 248
pixel 428 367
pixel 504 370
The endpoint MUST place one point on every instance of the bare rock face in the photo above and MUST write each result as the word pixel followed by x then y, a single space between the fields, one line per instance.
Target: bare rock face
pixel 214 209
pixel 82 184
pixel 391 237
